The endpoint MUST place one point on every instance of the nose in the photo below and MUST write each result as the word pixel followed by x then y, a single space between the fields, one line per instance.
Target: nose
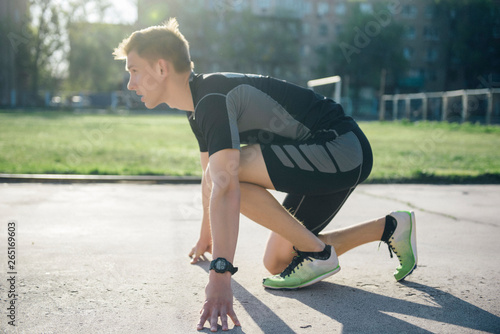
pixel 131 83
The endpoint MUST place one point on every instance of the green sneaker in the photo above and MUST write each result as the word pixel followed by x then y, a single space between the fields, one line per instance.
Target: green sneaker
pixel 305 269
pixel 403 242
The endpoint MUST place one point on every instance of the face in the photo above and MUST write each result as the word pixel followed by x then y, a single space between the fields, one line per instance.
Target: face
pixel 145 79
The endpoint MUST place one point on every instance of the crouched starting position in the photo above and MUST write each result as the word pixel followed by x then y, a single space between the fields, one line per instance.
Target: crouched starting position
pixel 257 133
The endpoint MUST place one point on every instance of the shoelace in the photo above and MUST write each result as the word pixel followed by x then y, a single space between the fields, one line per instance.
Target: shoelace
pixel 389 247
pixel 297 260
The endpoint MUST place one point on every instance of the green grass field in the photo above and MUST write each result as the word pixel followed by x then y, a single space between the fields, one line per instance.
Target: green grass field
pixel 69 143
pixel 434 152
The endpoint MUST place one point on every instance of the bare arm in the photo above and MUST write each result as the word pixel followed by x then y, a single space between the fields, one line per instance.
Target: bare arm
pixel 225 202
pixel 204 243
pixel 224 222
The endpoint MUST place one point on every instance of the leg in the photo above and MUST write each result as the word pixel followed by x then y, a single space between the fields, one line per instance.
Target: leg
pixel 350 237
pixel 260 206
pixel 291 168
pixel 316 212
pixel 279 253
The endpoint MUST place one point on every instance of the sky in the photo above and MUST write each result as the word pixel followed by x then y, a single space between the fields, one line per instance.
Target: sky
pixel 123 11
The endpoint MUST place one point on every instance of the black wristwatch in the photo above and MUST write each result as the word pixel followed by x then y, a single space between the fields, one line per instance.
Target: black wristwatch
pixel 221 265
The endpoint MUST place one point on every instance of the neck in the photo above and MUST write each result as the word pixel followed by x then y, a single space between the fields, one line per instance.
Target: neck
pixel 178 92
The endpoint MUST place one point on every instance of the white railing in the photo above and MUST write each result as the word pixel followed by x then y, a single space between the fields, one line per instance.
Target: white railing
pixel 469 103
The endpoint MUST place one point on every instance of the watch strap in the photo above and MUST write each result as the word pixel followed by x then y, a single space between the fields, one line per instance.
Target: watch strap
pixel 229 267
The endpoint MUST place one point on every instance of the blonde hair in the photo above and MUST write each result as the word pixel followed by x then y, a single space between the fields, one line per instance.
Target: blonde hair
pixel 159 42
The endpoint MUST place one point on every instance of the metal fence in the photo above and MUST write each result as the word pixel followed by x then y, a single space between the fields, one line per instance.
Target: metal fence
pixel 72 100
pixel 466 105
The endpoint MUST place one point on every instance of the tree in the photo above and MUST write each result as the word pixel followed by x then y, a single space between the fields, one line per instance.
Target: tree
pixel 474 43
pixel 369 44
pixel 50 50
pixel 230 37
pixel 91 65
pixel 15 57
pixel 47 30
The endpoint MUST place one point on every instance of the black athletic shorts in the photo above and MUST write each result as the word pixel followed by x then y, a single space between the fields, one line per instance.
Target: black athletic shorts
pixel 319 175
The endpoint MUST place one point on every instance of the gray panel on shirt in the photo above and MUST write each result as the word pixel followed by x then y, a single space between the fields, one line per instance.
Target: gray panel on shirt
pixel 255 110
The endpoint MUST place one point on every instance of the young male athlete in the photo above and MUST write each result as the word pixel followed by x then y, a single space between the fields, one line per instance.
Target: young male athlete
pixel 257 133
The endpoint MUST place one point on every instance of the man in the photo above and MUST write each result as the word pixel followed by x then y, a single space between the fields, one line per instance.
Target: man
pixel 297 142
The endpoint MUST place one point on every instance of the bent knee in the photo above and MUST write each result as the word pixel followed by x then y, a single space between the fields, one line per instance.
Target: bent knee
pixel 274 265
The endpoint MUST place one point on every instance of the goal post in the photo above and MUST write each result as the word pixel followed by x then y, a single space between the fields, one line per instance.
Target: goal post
pixel 336 80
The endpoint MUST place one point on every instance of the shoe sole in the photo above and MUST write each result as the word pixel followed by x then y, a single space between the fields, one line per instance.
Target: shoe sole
pixel 413 240
pixel 311 282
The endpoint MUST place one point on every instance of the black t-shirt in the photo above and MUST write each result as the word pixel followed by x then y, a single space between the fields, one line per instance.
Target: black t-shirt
pixel 232 109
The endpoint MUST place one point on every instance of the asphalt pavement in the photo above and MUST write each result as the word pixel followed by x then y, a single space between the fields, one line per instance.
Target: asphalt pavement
pixel 113 258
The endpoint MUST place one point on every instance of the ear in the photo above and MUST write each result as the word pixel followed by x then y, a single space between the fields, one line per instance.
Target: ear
pixel 164 67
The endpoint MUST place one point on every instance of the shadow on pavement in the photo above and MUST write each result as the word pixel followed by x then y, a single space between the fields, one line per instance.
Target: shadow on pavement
pixel 363 311
pixel 359 310
pixel 263 316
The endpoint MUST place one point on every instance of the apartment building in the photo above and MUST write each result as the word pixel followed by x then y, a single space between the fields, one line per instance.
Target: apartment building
pixel 13 35
pixel 424 44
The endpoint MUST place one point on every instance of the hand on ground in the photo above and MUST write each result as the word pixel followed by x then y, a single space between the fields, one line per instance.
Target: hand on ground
pixel 198 251
pixel 218 303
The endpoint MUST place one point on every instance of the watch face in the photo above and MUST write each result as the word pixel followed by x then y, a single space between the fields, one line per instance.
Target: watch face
pixel 220 265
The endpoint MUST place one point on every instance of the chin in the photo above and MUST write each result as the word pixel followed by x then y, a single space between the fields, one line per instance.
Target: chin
pixel 151 105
